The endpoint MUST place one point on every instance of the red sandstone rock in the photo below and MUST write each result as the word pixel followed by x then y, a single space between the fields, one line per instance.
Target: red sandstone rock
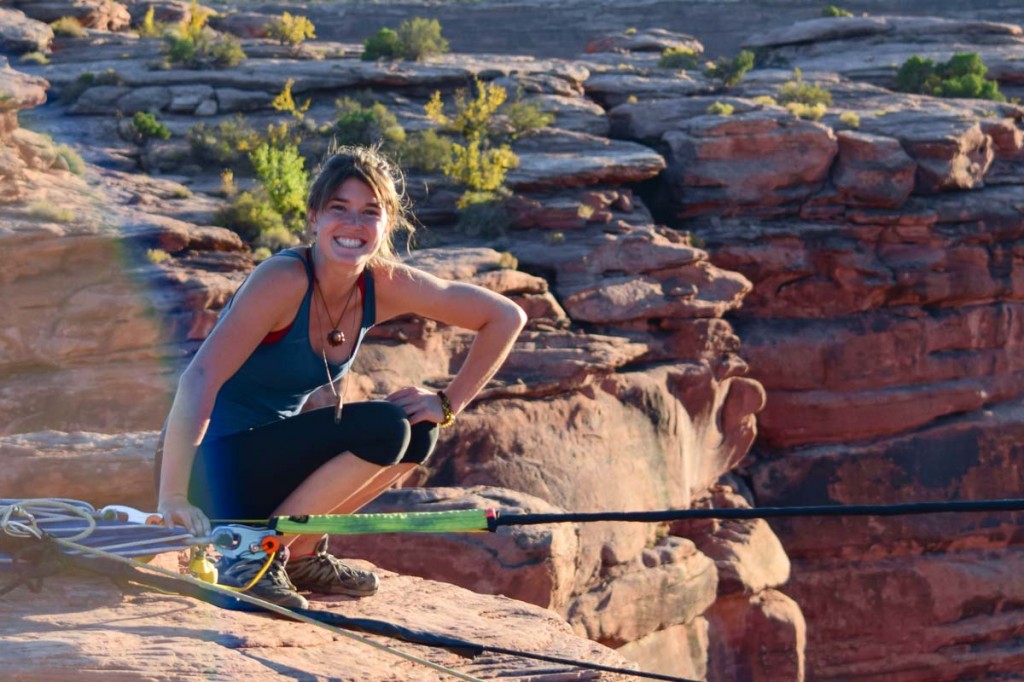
pixel 760 637
pixel 105 15
pixel 761 162
pixel 83 627
pixel 872 170
pixel 650 40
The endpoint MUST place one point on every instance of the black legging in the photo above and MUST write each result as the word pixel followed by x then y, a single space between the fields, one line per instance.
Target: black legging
pixel 247 475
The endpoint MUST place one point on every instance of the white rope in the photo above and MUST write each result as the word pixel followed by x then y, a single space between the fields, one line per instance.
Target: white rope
pixel 21 519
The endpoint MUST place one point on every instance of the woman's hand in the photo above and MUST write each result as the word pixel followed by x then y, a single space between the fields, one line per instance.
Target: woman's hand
pixel 177 510
pixel 419 404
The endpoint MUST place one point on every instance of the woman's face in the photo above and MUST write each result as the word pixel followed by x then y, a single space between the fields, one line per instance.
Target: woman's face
pixel 352 224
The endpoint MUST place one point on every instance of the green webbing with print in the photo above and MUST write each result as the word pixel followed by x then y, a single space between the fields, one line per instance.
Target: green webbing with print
pixel 454 521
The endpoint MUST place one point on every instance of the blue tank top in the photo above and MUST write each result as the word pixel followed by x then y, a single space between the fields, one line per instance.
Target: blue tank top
pixel 277 379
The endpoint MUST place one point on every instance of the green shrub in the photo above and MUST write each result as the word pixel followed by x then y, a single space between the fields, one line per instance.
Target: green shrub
pixel 811 112
pixel 286 103
pixel 72 158
pixel 208 49
pixel 679 58
pixel 359 125
pixel 731 71
pixel 276 238
pixel 483 213
pixel 427 151
pixel 109 77
pixel 384 44
pixel 833 11
pixel 147 126
pixel 766 100
pixel 48 212
pixel 800 92
pixel 962 76
pixel 149 28
pixel 226 144
pixel 250 214
pixel 69 27
pixel 721 109
pixel 524 117
pixel 480 163
pixel 478 168
pixel 849 119
pixel 261 254
pixel 37 58
pixel 282 173
pixel 157 256
pixel 421 38
pixel 290 30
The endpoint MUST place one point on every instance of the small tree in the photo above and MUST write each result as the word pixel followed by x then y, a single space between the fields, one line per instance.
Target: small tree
pixel 281 171
pixel 384 44
pixel 290 30
pixel 421 38
pixel 731 71
pixel 286 103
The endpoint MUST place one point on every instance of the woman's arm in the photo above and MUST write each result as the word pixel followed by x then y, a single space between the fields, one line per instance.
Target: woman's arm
pixel 267 300
pixel 496 320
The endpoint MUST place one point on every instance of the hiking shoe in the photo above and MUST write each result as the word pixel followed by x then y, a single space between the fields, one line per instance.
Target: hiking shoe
pixel 325 574
pixel 273 586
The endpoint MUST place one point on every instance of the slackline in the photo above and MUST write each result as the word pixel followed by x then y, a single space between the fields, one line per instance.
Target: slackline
pixel 476 520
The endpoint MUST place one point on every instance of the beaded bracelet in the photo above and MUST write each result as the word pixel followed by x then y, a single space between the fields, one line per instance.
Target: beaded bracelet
pixel 446 408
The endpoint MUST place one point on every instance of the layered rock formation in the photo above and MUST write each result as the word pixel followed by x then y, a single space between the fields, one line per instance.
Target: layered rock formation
pixel 626 372
pixel 883 323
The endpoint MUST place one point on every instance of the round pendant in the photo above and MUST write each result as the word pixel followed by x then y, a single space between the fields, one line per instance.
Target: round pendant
pixel 335 337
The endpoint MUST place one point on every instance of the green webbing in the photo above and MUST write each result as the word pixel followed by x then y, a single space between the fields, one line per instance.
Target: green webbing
pixel 455 521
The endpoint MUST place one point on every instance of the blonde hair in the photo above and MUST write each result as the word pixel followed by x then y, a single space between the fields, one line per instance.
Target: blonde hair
pixel 371 166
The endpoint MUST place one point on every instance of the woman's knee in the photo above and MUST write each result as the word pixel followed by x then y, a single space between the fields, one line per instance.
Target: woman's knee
pixel 422 440
pixel 386 433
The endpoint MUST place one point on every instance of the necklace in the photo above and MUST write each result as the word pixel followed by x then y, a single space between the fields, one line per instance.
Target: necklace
pixel 339 392
pixel 335 337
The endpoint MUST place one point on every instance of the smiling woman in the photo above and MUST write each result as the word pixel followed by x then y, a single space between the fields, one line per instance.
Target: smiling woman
pixel 239 446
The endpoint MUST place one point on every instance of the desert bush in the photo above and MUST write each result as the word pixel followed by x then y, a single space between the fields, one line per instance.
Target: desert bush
pixel 524 117
pixel 811 112
pixel 384 44
pixel 282 173
pixel 250 214
pixel 721 109
pixel 147 126
pixel 37 58
pixel 800 92
pixel 68 27
pixel 290 30
pixel 157 256
pixel 426 150
pixel 149 28
pixel 766 100
pixel 356 124
pixel 478 162
pixel 679 58
pixel 47 212
pixel 962 76
pixel 416 39
pixel 483 213
pixel 731 70
pixel 72 158
pixel 833 11
pixel 286 103
pixel 226 144
pixel 276 238
pixel 421 38
pixel 195 46
pixel 849 119
pixel 480 169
